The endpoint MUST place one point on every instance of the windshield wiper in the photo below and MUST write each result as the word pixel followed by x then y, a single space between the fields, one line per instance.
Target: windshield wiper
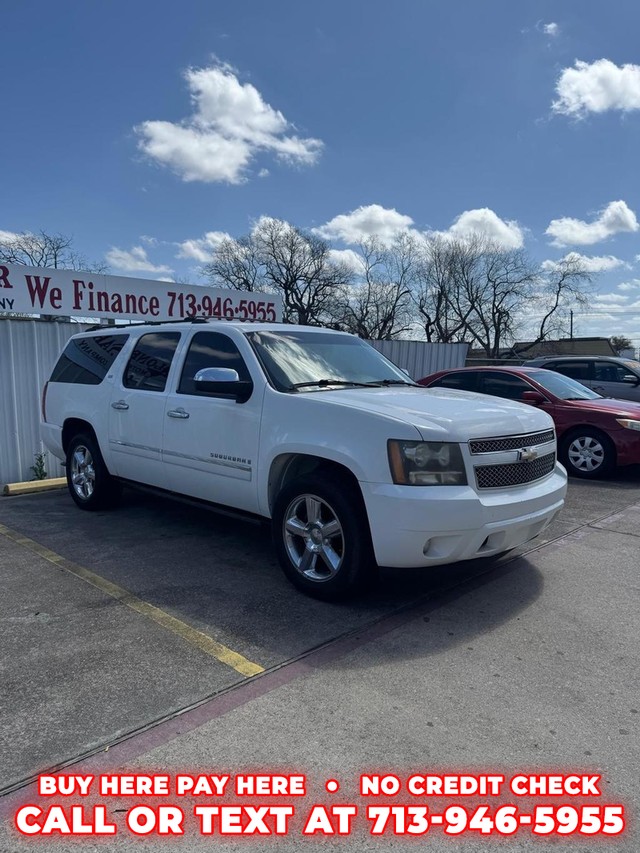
pixel 396 382
pixel 324 383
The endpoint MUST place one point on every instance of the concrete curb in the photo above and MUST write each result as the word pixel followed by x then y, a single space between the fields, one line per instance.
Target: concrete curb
pixel 34 486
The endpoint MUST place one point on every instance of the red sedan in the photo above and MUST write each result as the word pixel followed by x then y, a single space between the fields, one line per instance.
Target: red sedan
pixel 594 433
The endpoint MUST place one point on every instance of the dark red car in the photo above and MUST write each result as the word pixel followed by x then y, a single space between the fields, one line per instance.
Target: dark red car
pixel 594 433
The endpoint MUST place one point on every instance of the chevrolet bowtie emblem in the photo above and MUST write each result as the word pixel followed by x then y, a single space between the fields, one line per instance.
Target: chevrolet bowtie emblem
pixel 527 455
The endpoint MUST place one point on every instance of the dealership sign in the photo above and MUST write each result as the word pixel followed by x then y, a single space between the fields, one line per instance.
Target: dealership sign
pixel 73 293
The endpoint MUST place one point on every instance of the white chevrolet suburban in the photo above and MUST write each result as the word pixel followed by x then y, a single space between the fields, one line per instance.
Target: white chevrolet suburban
pixel 354 464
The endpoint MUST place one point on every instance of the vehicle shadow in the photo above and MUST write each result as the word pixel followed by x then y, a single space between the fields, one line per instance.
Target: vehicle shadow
pixel 220 574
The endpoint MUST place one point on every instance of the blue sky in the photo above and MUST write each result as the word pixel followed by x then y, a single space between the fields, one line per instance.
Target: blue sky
pixel 141 127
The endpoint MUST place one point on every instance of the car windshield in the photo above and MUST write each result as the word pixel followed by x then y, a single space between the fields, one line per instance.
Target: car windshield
pixel 634 366
pixel 563 386
pixel 304 360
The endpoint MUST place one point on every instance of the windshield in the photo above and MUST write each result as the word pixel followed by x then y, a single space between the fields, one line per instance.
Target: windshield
pixel 301 357
pixel 563 386
pixel 634 366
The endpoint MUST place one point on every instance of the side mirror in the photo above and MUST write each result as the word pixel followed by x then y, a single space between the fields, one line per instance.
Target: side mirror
pixel 535 398
pixel 631 379
pixel 223 382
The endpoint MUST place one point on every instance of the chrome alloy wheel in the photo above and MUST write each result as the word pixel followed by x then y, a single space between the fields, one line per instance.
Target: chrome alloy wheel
pixel 586 453
pixel 313 537
pixel 83 475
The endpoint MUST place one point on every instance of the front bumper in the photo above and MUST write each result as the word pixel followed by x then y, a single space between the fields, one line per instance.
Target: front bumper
pixel 414 526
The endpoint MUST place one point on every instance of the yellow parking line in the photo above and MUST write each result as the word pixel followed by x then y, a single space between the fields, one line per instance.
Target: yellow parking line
pixel 176 626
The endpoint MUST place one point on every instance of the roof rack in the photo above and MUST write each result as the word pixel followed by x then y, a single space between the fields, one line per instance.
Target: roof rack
pixel 97 326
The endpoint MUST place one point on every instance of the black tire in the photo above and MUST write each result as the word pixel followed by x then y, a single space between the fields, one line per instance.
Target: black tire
pixel 587 453
pixel 89 483
pixel 338 564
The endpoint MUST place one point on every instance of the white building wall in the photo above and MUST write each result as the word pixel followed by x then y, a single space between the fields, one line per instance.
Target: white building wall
pixel 419 358
pixel 28 351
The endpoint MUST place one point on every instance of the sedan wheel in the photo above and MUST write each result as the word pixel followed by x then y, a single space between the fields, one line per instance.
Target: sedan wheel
pixel 588 453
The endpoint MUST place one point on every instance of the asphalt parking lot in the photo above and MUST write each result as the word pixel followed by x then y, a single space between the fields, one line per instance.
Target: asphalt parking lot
pixel 159 635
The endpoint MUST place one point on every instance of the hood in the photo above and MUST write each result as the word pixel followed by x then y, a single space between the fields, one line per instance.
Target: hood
pixel 607 406
pixel 441 414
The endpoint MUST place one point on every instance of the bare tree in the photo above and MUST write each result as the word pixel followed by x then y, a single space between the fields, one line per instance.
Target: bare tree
pixel 236 264
pixel 477 291
pixel 499 298
pixel 278 257
pixel 559 288
pixel 378 305
pixel 445 276
pixel 621 343
pixel 472 290
pixel 52 251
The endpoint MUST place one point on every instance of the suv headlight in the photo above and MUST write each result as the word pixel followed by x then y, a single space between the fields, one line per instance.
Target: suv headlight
pixel 426 463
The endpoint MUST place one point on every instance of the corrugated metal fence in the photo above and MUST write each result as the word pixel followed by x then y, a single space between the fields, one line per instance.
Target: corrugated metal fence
pixel 29 349
pixel 420 359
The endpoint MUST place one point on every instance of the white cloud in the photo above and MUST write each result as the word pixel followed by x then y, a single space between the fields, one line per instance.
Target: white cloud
pixel 552 29
pixel 202 248
pixel 597 87
pixel 8 236
pixel 615 218
pixel 370 220
pixel 610 298
pixel 229 126
pixel 485 223
pixel 135 260
pixel 349 258
pixel 630 286
pixel 592 263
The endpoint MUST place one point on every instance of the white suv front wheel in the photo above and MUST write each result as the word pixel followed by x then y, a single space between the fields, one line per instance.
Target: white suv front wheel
pixel 321 536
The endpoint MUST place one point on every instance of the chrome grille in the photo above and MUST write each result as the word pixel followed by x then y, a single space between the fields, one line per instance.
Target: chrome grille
pixel 514 473
pixel 510 442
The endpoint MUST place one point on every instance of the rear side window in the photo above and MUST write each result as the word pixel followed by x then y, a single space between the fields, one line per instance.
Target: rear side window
pixel 148 367
pixel 461 381
pixel 575 369
pixel 210 349
pixel 86 361
pixel 504 385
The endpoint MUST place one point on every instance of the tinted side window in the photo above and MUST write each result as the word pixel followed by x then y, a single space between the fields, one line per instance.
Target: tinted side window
pixel 609 371
pixel 461 381
pixel 504 385
pixel 575 369
pixel 210 349
pixel 87 361
pixel 150 361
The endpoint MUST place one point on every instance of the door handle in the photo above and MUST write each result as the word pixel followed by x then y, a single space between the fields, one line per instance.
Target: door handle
pixel 120 405
pixel 177 413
